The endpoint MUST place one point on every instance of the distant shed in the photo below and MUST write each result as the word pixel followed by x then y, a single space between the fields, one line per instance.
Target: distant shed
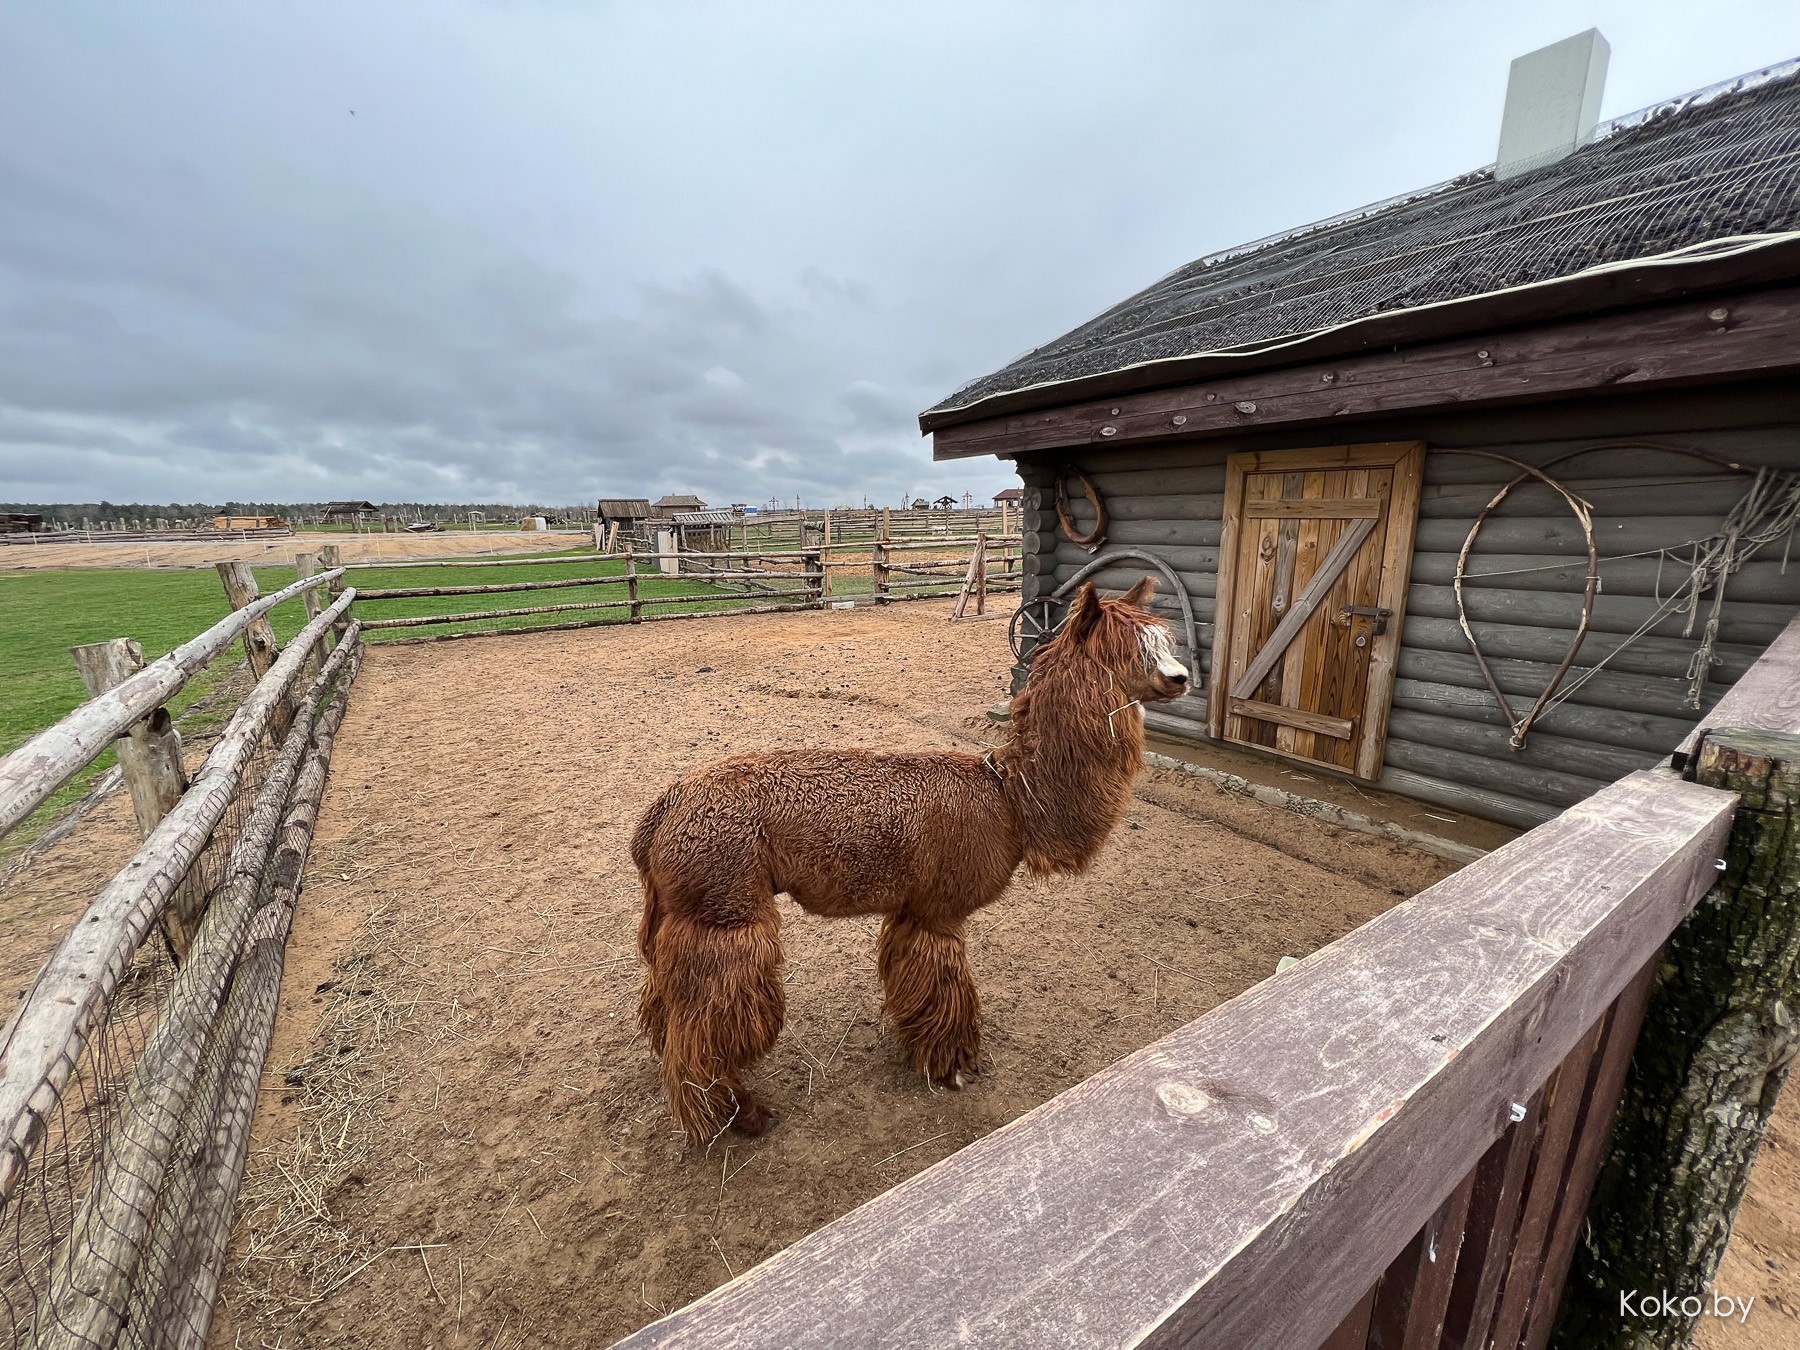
pixel 666 506
pixel 1322 435
pixel 350 511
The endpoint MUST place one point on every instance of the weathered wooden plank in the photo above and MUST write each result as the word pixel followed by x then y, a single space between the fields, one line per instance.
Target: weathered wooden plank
pixel 1667 658
pixel 1640 349
pixel 1208 506
pixel 1293 1140
pixel 1522 780
pixel 1314 508
pixel 1467 798
pixel 1353 1332
pixel 1643 732
pixel 1564 1099
pixel 1561 536
pixel 1597 1112
pixel 1542 749
pixel 1414 1292
pixel 1396 583
pixel 1760 581
pixel 48 760
pixel 1339 728
pixel 1741 624
pixel 1605 689
pixel 1642 497
pixel 548 584
pixel 1500 1179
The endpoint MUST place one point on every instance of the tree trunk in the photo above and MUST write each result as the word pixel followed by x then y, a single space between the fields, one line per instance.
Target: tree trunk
pixel 1715 1050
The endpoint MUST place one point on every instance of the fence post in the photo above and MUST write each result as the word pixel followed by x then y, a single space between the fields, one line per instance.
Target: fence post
pixel 631 585
pixel 149 762
pixel 307 565
pixel 1722 1029
pixel 814 563
pixel 259 636
pixel 879 563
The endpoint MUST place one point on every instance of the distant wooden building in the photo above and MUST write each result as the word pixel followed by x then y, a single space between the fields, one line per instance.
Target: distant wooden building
pixel 668 505
pixel 1008 496
pixel 229 522
pixel 21 522
pixel 1557 403
pixel 350 512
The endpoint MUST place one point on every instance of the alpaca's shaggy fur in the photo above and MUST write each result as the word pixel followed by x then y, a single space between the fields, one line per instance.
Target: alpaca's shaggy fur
pixel 924 839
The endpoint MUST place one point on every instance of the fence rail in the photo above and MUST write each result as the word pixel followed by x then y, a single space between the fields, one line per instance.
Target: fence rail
pixel 128 1070
pixel 761 581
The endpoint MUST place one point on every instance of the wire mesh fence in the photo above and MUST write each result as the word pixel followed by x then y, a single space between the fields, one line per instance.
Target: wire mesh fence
pixel 128 1073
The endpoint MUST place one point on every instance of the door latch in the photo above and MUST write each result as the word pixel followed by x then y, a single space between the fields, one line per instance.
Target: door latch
pixel 1380 616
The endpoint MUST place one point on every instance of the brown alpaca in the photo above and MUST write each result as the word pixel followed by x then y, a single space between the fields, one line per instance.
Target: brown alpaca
pixel 924 839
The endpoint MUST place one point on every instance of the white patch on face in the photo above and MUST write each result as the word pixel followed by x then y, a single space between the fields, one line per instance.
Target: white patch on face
pixel 1159 652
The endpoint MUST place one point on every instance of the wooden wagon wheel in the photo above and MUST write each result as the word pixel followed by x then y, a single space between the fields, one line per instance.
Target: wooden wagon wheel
pixel 1094 537
pixel 1035 622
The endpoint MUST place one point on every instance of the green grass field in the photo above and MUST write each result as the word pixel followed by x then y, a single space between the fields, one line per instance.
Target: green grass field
pixel 43 614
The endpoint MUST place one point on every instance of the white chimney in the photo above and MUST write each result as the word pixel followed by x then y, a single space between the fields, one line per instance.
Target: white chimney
pixel 1552 103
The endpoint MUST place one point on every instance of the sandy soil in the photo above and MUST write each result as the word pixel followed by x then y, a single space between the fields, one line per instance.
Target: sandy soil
pixel 458 1082
pixel 354 547
pixel 1763 1260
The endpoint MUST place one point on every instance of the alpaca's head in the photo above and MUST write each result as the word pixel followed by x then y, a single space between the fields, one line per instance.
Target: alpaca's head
pixel 1123 636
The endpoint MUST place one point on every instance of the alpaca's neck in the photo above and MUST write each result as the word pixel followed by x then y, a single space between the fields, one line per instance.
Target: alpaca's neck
pixel 1075 749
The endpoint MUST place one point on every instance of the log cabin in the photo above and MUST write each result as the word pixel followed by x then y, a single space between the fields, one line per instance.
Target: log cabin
pixel 1483 494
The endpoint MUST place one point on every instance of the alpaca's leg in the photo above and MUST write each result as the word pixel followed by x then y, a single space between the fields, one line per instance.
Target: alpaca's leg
pixel 931 999
pixel 713 1005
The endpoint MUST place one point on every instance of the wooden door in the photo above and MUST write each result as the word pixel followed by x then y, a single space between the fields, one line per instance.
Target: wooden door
pixel 1313 567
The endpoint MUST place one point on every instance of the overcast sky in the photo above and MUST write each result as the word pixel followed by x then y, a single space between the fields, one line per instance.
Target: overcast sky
pixel 545 252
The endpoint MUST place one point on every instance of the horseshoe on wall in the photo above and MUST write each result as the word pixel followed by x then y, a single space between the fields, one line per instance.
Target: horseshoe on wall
pixel 1094 537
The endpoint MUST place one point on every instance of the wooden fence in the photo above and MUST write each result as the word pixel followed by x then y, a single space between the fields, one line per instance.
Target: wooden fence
pixel 129 1069
pixel 681 584
pixel 1392 1143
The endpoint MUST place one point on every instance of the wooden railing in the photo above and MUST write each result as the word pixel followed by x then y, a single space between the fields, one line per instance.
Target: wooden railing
pixel 764 581
pixel 1392 1143
pixel 129 1067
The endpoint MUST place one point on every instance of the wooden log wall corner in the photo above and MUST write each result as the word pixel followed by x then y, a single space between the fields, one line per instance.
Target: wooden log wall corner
pixel 1722 1030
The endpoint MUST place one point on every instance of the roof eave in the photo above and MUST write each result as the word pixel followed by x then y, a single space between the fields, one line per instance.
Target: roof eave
pixel 1720 265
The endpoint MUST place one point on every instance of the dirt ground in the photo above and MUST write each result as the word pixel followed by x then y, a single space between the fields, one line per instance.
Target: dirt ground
pixel 461 1140
pixel 458 1081
pixel 354 548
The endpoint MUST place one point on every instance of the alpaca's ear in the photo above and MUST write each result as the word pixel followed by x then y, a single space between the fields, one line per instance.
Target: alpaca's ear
pixel 1084 613
pixel 1139 595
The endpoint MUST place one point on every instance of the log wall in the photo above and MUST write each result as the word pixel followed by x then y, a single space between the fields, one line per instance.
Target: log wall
pixel 1447 742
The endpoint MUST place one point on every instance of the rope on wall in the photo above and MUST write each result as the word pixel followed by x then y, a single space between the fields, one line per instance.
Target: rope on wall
pixel 1768 511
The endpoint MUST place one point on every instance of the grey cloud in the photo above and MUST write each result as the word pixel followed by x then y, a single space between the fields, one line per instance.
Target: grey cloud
pixel 565 252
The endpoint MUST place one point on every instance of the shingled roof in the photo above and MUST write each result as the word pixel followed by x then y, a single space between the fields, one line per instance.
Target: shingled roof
pixel 1700 192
